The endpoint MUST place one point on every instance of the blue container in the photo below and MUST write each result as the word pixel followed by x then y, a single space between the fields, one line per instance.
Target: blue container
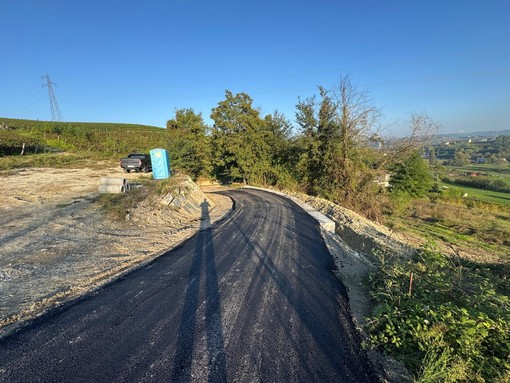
pixel 160 164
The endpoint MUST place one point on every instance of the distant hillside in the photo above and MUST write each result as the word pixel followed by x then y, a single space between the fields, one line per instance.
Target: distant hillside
pixel 487 134
pixel 105 139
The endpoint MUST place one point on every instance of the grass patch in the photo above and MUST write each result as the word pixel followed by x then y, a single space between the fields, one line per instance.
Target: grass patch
pixel 489 196
pixel 452 323
pixel 490 170
pixel 54 160
pixel 481 232
pixel 118 206
pixel 446 319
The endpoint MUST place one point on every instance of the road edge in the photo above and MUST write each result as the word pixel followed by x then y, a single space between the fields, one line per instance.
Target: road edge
pixel 325 223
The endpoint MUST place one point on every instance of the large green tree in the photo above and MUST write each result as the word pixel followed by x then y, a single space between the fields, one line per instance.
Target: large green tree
pixel 240 141
pixel 411 176
pixel 189 143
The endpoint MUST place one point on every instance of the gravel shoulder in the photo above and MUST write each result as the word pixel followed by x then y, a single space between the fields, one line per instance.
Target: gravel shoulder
pixel 56 244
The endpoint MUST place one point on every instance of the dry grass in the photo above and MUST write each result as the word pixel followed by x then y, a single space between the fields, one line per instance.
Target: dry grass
pixel 479 235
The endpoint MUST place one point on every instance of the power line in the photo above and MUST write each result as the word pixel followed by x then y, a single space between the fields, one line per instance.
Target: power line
pixel 23 101
pixel 55 111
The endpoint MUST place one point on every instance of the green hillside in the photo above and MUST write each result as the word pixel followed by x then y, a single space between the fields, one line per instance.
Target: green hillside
pixel 46 143
pixel 109 139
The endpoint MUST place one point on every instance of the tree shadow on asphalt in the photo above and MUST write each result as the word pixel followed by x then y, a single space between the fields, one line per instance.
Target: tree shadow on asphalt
pixel 203 266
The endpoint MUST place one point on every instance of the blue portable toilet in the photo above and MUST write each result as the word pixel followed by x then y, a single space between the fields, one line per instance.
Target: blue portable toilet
pixel 160 164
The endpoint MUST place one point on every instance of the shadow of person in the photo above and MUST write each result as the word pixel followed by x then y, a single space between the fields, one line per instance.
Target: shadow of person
pixel 205 218
pixel 203 266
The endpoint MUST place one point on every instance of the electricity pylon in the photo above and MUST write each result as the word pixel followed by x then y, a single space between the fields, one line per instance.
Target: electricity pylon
pixel 55 111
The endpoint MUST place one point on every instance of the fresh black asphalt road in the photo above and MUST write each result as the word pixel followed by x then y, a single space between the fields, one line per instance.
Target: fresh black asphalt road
pixel 252 299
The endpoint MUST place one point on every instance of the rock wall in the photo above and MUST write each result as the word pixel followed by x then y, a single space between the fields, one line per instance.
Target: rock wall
pixel 186 195
pixel 182 202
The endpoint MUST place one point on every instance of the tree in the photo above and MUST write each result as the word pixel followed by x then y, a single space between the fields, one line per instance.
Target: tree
pixel 310 158
pixel 334 162
pixel 189 143
pixel 411 177
pixel 240 140
pixel 283 156
pixel 279 131
pixel 432 156
pixel 461 158
pixel 502 146
pixel 423 129
pixel 358 121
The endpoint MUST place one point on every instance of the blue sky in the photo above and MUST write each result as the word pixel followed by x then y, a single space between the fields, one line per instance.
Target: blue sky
pixel 138 61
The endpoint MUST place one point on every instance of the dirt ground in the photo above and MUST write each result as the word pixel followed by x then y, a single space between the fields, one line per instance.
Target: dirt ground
pixel 56 244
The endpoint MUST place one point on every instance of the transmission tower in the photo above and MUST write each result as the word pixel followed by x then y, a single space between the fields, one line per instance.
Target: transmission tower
pixel 55 111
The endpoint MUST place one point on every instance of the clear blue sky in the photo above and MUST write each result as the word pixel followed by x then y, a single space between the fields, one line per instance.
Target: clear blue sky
pixel 138 61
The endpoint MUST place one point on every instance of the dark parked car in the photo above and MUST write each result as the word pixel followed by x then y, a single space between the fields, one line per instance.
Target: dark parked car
pixel 137 162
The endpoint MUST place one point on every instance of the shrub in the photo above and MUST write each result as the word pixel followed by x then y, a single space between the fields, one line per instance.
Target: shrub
pixel 118 206
pixel 411 176
pixel 441 315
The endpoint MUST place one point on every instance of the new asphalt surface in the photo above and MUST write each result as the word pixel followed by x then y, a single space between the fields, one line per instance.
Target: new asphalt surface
pixel 251 299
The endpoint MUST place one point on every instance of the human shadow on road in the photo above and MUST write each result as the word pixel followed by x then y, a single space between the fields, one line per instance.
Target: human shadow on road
pixel 203 263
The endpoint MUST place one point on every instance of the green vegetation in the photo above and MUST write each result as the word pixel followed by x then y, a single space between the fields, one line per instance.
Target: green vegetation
pixel 484 177
pixel 103 139
pixel 118 206
pixel 479 169
pixel 411 176
pixel 491 151
pixel 12 143
pixel 54 160
pixel 479 232
pixel 485 170
pixel 475 195
pixel 446 318
pixel 189 147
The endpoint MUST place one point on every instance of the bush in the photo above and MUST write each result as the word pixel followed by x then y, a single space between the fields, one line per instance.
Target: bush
pixel 444 316
pixel 411 176
pixel 118 206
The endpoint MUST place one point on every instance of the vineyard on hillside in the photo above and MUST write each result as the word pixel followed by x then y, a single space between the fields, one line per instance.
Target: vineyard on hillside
pixel 103 139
